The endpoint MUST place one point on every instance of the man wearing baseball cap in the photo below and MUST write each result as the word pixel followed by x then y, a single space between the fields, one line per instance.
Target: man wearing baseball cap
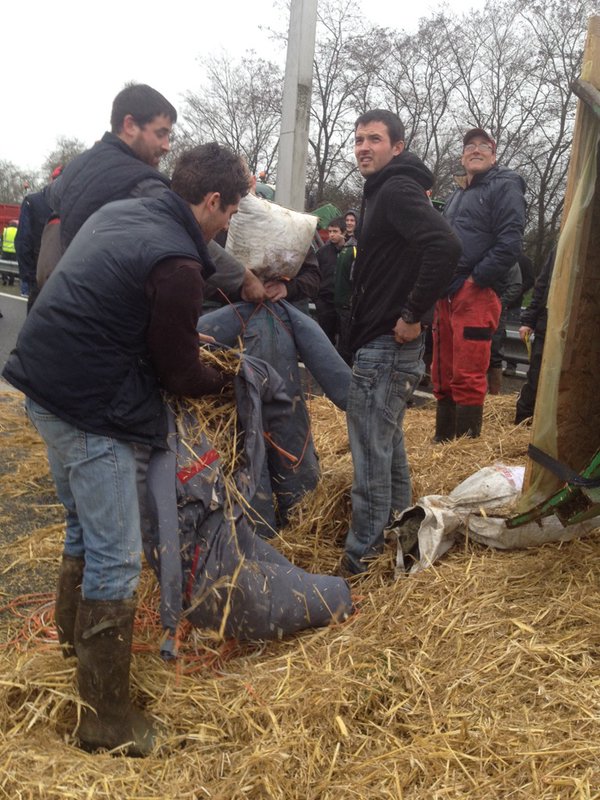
pixel 487 213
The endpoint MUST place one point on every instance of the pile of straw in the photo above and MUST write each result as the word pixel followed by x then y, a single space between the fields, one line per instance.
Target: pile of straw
pixel 475 679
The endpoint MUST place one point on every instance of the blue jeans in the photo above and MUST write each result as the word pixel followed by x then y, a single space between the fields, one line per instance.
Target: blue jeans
pixel 384 377
pixel 95 479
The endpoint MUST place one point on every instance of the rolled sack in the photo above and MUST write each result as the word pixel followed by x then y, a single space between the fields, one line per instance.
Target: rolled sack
pixel 271 240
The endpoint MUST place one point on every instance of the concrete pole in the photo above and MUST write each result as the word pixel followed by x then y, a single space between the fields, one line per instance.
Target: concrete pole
pixel 295 118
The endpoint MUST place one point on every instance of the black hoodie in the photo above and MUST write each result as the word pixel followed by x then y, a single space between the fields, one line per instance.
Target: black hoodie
pixel 406 250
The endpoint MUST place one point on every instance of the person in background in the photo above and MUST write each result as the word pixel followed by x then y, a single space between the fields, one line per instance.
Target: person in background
pixel 34 215
pixel 528 280
pixel 7 250
pixel 534 320
pixel 327 256
pixel 511 293
pixel 342 296
pixel 351 219
pixel 487 213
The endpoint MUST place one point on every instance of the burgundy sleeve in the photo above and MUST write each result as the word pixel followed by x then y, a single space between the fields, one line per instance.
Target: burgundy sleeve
pixel 307 281
pixel 175 290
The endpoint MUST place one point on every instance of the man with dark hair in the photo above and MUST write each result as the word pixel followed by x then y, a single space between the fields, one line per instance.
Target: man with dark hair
pixel 141 102
pixel 406 254
pixel 113 328
pixel 327 257
pixel 380 116
pixel 487 213
pixel 351 219
pixel 194 177
pixel 124 164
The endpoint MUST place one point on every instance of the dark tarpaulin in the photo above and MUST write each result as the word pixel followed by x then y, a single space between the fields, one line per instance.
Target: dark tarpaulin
pixel 211 566
pixel 280 334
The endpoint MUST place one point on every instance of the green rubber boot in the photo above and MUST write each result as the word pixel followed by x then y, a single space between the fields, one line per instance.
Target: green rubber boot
pixel 68 594
pixel 103 636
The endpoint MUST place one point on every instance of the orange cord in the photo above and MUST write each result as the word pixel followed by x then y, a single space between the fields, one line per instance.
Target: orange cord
pixel 38 630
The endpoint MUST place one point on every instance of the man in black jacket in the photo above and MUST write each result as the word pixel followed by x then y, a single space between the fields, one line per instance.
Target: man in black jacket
pixel 114 326
pixel 405 258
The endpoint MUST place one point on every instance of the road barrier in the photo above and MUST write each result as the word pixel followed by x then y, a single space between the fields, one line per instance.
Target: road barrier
pixel 9 270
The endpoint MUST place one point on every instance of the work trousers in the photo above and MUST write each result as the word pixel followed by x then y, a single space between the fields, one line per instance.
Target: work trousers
pixel 462 336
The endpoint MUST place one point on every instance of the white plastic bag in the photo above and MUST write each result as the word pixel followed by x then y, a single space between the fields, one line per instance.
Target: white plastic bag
pixel 428 529
pixel 271 240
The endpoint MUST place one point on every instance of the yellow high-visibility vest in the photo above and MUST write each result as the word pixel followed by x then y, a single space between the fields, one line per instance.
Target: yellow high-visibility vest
pixel 8 240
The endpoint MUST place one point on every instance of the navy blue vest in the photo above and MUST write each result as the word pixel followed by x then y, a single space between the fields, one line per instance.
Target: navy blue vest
pixel 107 171
pixel 82 351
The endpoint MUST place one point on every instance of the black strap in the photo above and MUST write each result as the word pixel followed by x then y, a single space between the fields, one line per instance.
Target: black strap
pixel 561 470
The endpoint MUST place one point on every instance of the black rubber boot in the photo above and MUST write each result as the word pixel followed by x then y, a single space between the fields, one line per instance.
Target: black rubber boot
pixel 468 421
pixel 494 379
pixel 68 594
pixel 445 420
pixel 103 635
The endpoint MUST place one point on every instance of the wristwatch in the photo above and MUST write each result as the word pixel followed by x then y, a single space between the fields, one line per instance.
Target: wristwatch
pixel 409 317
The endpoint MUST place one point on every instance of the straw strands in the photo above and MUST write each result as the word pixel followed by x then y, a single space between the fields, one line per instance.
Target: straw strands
pixel 475 679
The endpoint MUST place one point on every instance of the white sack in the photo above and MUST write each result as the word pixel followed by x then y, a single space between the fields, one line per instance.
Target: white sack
pixel 271 240
pixel 428 529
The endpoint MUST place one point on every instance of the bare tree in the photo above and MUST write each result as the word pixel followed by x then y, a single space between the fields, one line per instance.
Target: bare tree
pixel 65 150
pixel 347 55
pixel 506 68
pixel 239 106
pixel 419 83
pixel 15 182
pixel 557 30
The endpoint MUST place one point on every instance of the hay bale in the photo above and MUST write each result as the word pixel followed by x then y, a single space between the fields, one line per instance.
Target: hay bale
pixel 476 679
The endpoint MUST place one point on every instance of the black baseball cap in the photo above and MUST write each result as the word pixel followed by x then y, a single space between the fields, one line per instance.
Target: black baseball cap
pixel 478 132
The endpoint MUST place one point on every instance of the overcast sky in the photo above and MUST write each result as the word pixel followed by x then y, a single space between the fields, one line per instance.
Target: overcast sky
pixel 64 61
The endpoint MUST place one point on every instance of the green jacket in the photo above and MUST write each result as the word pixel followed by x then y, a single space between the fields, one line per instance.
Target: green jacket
pixel 343 274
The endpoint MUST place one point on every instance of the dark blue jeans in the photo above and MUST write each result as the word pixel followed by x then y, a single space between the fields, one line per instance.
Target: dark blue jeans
pixel 384 377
